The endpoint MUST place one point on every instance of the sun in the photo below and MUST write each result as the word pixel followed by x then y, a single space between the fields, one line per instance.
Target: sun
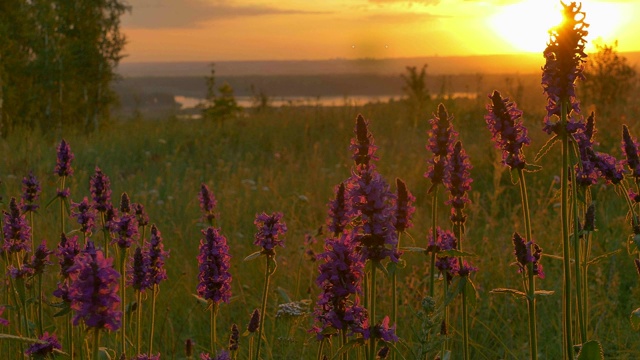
pixel 525 25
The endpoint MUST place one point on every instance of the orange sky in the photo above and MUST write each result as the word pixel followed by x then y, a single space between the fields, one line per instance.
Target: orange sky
pixel 220 30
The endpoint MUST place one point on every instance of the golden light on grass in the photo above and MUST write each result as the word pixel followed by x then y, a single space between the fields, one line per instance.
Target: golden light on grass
pixel 525 25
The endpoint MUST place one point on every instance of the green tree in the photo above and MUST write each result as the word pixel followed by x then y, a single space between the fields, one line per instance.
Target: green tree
pixel 609 79
pixel 57 61
pixel 415 87
pixel 222 106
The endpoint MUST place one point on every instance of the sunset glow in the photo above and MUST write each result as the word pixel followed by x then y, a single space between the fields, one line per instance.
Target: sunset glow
pixel 214 30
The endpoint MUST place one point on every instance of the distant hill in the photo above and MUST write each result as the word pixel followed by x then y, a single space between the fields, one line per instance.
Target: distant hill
pixel 437 65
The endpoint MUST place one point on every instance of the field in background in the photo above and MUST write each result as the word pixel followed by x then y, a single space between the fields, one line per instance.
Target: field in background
pixel 289 159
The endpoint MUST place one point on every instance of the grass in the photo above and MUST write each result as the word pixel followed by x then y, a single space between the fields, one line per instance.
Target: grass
pixel 289 159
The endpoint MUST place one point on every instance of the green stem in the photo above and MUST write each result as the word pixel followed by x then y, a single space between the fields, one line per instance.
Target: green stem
pixel 105 235
pixel 530 284
pixel 154 294
pixel 123 303
pixel 214 336
pixel 62 208
pixel 319 355
pixel 394 295
pixel 434 217
pixel 40 315
pixel 457 228
pixel 96 343
pixel 564 217
pixel 263 314
pixel 372 310
pixel 577 256
pixel 139 322
pixel 343 341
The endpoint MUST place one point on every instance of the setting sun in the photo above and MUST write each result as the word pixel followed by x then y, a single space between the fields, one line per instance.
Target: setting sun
pixel 525 25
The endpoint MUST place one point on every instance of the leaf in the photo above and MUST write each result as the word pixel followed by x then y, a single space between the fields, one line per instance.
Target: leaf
pixel 635 319
pixel 454 291
pixel 348 346
pixel 18 338
pixel 455 253
pixel 545 148
pixel 201 299
pixel 392 268
pixel 413 249
pixel 513 292
pixel 470 293
pixel 514 176
pixel 532 168
pixel 591 350
pixel 272 265
pixel 381 267
pixel 283 294
pixel 602 257
pixel 252 256
pixel 544 292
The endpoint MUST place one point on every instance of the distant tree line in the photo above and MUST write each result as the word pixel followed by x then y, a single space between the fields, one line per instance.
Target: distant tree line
pixel 57 60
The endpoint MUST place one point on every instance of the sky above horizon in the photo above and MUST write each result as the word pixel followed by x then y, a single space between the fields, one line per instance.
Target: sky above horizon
pixel 225 30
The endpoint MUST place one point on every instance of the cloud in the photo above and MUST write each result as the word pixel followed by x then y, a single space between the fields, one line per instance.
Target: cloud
pixel 162 14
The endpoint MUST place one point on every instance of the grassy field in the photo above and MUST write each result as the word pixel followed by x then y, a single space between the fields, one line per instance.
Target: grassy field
pixel 289 159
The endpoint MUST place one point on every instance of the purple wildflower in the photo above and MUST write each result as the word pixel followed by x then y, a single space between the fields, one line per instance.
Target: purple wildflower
pixel 630 148
pixel 214 276
pixel 94 292
pixel 509 134
pixel 208 202
pixel 20 273
pixel 466 269
pixel 445 240
pixel 45 346
pixel 16 230
pixel 157 256
pixel 338 209
pixel 590 219
pixel 441 138
pixel 100 190
pixel 404 207
pixel 68 250
pixel 85 215
pixel 138 273
pixel 608 167
pixel 3 322
pixel 527 253
pixel 40 258
pixel 459 183
pixel 270 229
pixel 586 173
pixel 125 203
pixel 362 145
pixel 65 157
pixel 125 228
pixel 30 193
pixel 383 332
pixel 382 353
pixel 254 321
pixel 234 338
pixel 63 194
pixel 564 64
pixel 373 202
pixel 141 214
pixel 223 355
pixel 340 278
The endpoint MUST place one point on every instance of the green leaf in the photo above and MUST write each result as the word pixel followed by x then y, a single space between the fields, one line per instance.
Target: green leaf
pixel 381 267
pixel 413 249
pixel 470 293
pixel 64 311
pixel 455 290
pixel 591 350
pixel 392 268
pixel 545 148
pixel 18 338
pixel 201 299
pixel 271 264
pixel 348 346
pixel 514 176
pixel 455 253
pixel 283 294
pixel 635 319
pixel 602 257
pixel 532 168
pixel 513 292
pixel 253 256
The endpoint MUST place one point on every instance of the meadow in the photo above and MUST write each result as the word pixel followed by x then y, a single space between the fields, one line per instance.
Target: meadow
pixel 288 160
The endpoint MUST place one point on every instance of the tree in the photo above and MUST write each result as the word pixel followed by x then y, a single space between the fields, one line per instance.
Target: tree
pixel 219 107
pixel 57 61
pixel 609 79
pixel 415 87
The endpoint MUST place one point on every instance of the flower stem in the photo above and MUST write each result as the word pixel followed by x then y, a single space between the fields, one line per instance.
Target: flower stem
pixel 564 217
pixel 123 302
pixel 577 256
pixel 139 322
pixel 372 311
pixel 263 311
pixel 531 283
pixel 214 316
pixel 96 343
pixel 434 217
pixel 154 294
